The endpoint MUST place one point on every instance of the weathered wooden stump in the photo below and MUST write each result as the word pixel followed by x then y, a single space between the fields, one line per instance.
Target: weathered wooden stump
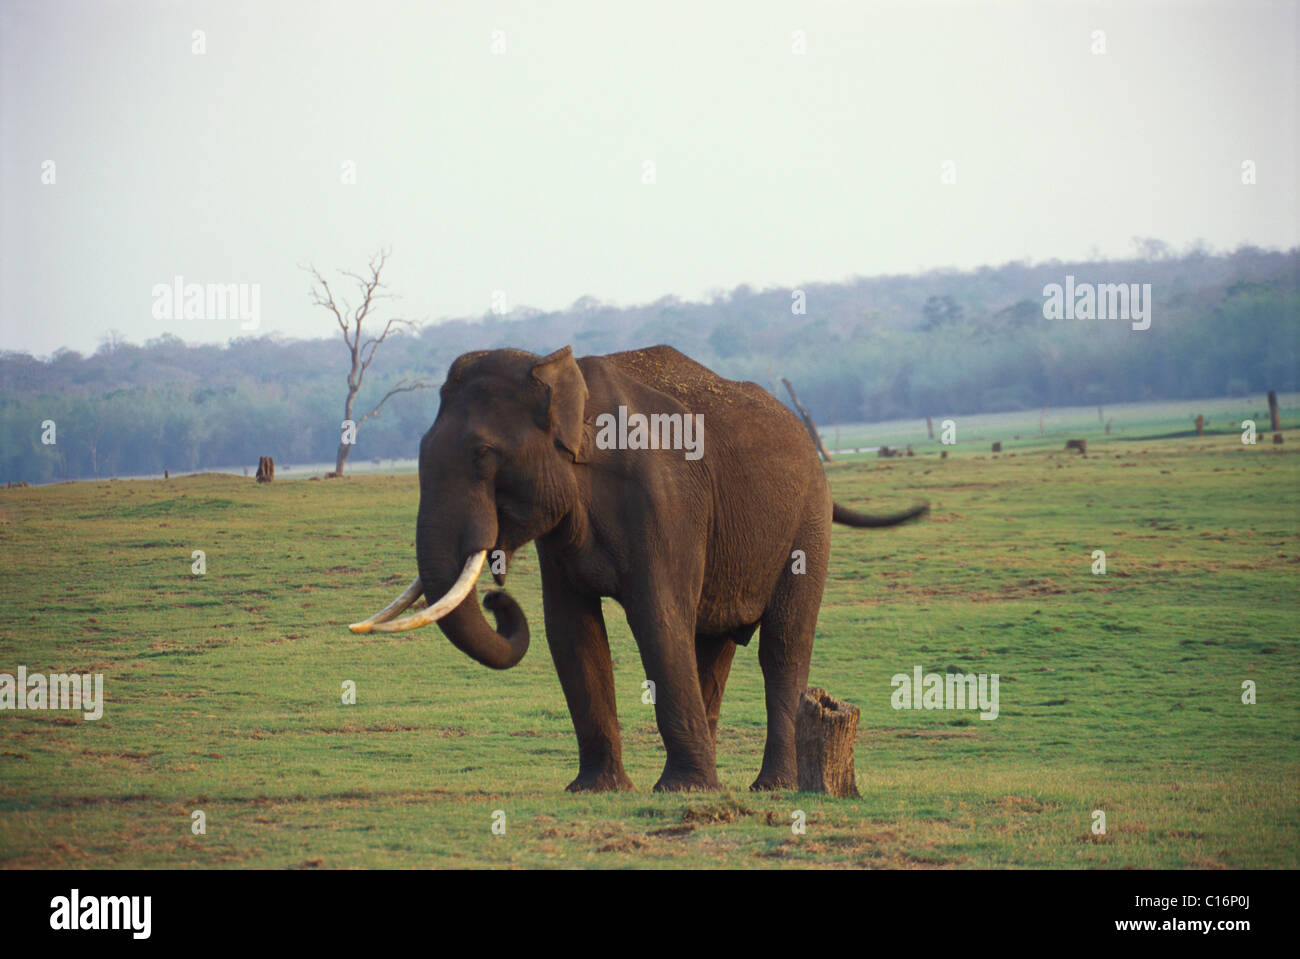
pixel 997 447
pixel 265 469
pixel 1080 445
pixel 824 730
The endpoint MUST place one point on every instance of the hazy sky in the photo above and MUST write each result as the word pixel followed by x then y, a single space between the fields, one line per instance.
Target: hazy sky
pixel 522 171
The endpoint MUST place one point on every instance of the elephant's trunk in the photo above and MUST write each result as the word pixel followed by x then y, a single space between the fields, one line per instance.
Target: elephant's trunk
pixel 468 630
pixel 464 623
pixel 461 620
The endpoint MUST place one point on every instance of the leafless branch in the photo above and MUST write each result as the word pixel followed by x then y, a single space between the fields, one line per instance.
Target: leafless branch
pixel 401 387
pixel 326 299
pixel 373 343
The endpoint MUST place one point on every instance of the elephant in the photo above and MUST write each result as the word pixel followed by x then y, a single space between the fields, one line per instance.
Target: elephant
pixel 700 546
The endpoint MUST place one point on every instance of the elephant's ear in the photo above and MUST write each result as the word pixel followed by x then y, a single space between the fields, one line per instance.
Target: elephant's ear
pixel 564 402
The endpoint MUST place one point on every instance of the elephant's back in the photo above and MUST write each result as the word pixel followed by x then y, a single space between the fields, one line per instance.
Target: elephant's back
pixel 697 387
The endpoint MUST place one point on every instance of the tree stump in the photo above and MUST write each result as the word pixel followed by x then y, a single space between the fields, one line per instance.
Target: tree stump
pixel 824 730
pixel 265 469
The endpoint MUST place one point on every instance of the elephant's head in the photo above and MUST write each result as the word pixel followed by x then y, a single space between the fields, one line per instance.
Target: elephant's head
pixel 496 470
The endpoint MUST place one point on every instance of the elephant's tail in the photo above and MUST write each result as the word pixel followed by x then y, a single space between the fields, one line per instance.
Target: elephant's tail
pixel 853 518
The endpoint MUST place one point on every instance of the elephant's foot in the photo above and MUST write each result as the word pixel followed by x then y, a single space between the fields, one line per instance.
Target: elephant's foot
pixel 774 782
pixel 601 781
pixel 687 780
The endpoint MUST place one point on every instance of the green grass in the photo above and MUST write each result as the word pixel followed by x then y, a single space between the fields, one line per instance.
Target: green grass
pixel 1119 692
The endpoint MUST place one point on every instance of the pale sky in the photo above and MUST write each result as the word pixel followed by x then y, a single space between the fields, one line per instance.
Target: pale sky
pixel 522 171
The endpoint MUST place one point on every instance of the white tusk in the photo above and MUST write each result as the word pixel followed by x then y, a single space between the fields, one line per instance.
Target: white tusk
pixel 455 596
pixel 399 605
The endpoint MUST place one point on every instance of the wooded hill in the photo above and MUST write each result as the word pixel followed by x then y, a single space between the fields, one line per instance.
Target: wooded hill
pixel 940 343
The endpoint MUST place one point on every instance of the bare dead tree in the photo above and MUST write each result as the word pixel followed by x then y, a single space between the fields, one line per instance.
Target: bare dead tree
pixel 370 289
pixel 807 421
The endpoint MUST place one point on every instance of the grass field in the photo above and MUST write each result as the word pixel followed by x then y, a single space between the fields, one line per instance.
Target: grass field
pixel 1119 692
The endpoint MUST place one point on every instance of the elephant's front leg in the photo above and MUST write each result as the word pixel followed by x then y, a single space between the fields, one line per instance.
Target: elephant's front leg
pixel 575 631
pixel 666 638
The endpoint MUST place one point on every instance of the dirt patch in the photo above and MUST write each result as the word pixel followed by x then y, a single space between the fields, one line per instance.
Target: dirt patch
pixel 673 832
pixel 1019 804
pixel 624 844
pixel 723 810
pixel 930 734
pixel 354 729
pixel 121 754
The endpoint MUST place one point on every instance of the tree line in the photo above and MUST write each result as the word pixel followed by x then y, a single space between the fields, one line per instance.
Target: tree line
pixel 940 343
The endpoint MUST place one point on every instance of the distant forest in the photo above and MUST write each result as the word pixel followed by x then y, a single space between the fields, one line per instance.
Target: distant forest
pixel 940 343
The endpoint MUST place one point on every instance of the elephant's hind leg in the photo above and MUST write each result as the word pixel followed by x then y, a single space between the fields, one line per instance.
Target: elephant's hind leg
pixel 785 653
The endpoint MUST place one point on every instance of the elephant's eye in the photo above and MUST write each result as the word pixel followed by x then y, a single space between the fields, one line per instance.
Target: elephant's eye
pixel 484 458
